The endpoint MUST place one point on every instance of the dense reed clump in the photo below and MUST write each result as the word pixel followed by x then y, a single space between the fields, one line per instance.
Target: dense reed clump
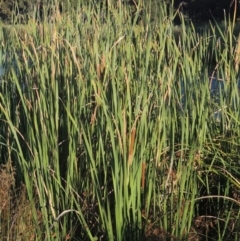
pixel 119 130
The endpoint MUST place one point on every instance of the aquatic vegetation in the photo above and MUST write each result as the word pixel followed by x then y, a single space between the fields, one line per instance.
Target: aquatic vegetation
pixel 110 126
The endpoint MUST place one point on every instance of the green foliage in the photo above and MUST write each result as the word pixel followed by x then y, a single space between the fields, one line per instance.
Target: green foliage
pixel 5 7
pixel 10 8
pixel 198 9
pixel 113 129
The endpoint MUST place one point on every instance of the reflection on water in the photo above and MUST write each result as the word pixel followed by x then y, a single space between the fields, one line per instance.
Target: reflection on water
pixel 218 95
